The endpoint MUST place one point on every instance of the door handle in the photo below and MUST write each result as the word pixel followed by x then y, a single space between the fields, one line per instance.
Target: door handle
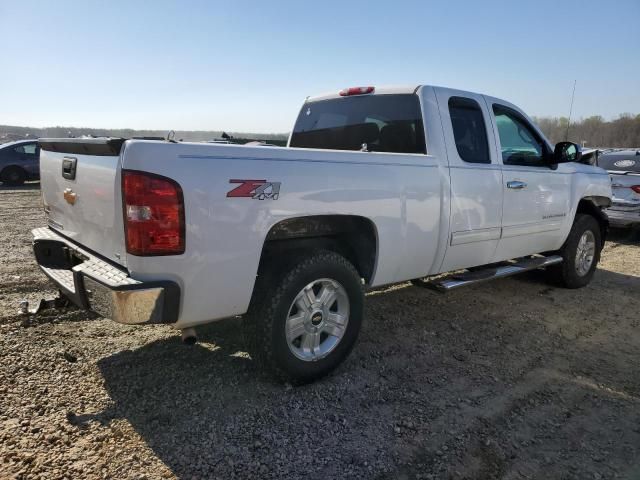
pixel 516 185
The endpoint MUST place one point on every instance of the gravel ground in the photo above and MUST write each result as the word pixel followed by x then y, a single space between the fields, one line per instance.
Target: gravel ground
pixel 510 379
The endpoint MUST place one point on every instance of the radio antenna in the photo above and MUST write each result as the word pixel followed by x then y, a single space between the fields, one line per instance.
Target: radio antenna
pixel 573 94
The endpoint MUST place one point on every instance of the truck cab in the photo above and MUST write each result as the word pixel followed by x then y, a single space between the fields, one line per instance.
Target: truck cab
pixel 504 193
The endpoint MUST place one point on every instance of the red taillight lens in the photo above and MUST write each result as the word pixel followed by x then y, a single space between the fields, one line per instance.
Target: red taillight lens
pixel 636 188
pixel 347 92
pixel 153 214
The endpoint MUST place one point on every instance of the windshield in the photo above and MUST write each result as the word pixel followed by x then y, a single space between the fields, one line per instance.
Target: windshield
pixel 377 123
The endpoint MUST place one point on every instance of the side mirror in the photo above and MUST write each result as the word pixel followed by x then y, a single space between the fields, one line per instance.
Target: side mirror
pixel 565 152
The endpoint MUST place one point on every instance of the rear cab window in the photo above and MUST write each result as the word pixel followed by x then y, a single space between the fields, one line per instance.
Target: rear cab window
pixel 26 149
pixel 375 123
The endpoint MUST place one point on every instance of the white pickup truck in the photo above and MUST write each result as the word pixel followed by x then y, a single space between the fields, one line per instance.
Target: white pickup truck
pixel 376 186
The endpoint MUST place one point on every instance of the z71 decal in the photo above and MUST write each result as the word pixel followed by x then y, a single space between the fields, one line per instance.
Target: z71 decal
pixel 256 189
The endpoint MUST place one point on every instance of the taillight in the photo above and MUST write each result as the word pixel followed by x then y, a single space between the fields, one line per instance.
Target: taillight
pixel 153 214
pixel 347 92
pixel 636 188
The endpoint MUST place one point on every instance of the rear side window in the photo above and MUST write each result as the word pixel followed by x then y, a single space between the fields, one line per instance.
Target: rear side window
pixel 385 123
pixel 469 130
pixel 27 148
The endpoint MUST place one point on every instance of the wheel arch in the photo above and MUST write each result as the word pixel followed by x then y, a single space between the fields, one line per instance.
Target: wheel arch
pixel 352 236
pixel 594 206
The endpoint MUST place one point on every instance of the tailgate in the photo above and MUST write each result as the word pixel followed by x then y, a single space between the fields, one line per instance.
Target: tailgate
pixel 80 182
pixel 621 183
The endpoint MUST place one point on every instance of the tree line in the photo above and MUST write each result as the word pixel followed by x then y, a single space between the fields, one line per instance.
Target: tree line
pixel 9 132
pixel 594 131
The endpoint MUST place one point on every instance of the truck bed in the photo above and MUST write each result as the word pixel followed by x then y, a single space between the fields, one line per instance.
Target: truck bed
pixel 401 193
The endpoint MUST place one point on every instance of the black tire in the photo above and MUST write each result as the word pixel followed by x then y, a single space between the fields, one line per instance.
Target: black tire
pixel 13 176
pixel 566 274
pixel 276 289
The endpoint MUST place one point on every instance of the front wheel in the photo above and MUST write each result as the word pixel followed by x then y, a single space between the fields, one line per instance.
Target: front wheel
pixel 304 322
pixel 580 254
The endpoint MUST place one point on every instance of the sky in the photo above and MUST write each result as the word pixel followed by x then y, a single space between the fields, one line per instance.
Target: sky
pixel 247 66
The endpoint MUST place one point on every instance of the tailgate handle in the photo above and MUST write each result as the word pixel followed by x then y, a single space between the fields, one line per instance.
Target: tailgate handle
pixel 69 167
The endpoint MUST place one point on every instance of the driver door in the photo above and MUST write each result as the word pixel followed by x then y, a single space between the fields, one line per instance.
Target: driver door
pixel 535 196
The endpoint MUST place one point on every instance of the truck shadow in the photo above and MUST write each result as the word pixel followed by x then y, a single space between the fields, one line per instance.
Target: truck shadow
pixel 420 379
pixel 626 236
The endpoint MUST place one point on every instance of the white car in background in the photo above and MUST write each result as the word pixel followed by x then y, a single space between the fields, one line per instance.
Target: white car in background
pixel 623 166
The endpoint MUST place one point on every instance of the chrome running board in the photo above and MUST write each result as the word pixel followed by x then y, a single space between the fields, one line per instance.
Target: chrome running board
pixel 484 274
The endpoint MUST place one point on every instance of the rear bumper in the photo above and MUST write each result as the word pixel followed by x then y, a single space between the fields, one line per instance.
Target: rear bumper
pixel 622 216
pixel 95 284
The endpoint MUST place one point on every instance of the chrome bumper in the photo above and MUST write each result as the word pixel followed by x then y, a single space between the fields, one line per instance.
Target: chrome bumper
pixel 623 215
pixel 95 284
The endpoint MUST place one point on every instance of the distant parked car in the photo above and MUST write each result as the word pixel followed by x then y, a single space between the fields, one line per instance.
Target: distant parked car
pixel 259 143
pixel 19 162
pixel 623 166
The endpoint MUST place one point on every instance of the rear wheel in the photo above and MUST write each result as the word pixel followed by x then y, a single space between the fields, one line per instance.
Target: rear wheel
pixel 304 322
pixel 580 254
pixel 13 176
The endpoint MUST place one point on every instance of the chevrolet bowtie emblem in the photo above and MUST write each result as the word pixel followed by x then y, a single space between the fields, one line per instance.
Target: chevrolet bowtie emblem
pixel 70 196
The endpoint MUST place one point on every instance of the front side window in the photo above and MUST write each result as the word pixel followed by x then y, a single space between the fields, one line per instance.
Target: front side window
pixel 469 130
pixel 382 123
pixel 520 144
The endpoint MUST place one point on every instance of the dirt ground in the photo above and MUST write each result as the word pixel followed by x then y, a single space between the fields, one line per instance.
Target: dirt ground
pixel 509 379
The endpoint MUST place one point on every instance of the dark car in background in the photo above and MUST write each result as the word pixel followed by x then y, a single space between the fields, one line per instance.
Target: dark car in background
pixel 623 166
pixel 19 162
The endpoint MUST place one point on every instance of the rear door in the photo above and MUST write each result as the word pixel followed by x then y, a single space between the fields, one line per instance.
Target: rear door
pixel 476 180
pixel 81 193
pixel 536 198
pixel 27 155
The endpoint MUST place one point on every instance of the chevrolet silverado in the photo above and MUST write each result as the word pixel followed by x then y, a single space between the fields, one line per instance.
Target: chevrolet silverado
pixel 376 186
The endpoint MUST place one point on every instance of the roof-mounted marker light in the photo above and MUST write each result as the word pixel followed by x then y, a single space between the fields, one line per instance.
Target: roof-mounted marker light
pixel 347 92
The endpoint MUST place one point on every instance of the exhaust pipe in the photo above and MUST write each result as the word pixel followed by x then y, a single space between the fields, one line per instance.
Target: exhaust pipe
pixel 189 336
